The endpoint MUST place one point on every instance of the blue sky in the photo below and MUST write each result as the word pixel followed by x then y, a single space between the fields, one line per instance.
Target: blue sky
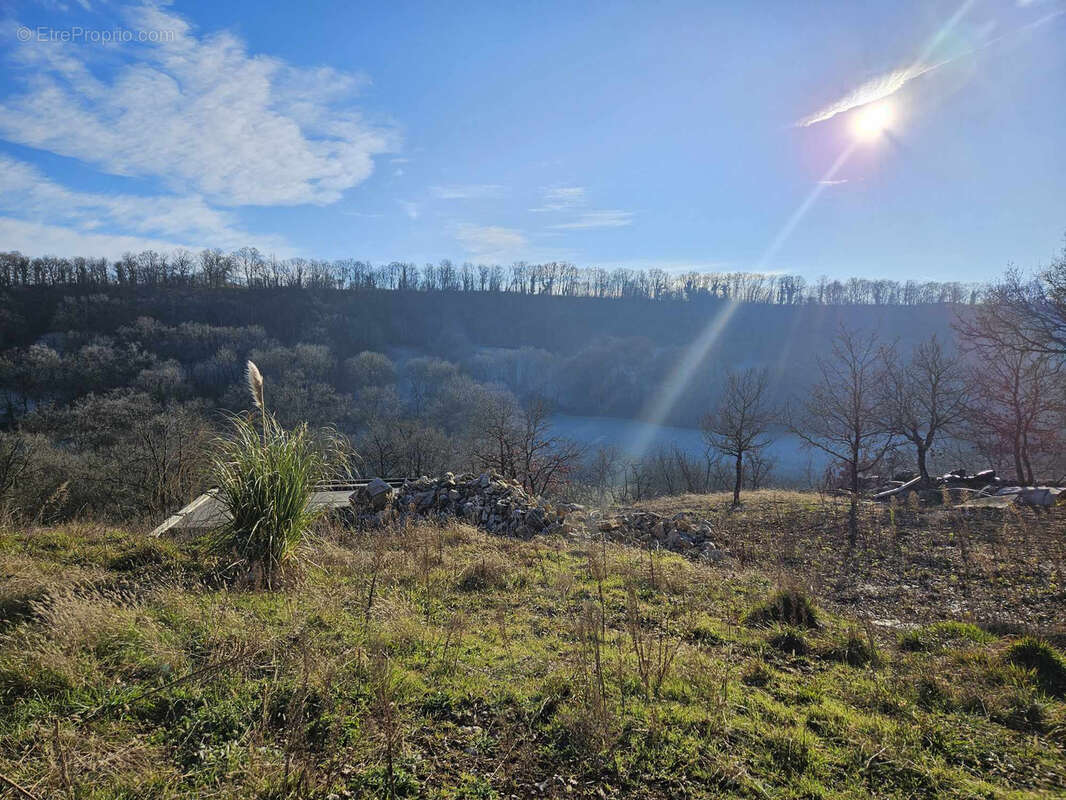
pixel 682 135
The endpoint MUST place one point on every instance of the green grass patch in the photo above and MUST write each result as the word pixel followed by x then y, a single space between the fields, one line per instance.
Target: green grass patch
pixel 940 635
pixel 1047 664
pixel 789 606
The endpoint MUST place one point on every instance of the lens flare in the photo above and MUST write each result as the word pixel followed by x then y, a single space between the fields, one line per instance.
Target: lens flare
pixel 871 121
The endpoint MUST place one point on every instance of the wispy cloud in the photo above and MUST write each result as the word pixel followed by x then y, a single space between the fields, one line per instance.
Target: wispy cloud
pixel 561 198
pixel 870 92
pixel 40 238
pixel 58 5
pixel 26 193
pixel 469 191
pixel 199 112
pixel 597 219
pixel 837 182
pixel 490 240
pixel 410 208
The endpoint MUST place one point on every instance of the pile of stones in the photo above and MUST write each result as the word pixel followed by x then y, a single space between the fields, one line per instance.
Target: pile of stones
pixel 491 502
pixel 684 533
pixel 501 506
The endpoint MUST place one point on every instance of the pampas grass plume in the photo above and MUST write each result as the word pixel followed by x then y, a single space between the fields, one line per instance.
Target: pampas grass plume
pixel 255 386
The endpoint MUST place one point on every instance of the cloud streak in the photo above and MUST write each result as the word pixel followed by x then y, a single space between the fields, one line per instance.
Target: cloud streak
pixel 870 92
pixel 597 219
pixel 470 191
pixel 490 240
pixel 561 198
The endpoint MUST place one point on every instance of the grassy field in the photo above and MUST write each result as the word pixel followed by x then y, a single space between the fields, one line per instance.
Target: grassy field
pixel 441 662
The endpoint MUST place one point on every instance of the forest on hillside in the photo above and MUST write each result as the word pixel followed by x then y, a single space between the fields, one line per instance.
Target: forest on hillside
pixel 114 377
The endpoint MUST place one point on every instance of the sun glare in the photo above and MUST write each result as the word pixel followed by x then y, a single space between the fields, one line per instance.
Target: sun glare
pixel 869 122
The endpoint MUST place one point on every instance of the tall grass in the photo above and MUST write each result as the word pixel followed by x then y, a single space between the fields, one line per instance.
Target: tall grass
pixel 265 481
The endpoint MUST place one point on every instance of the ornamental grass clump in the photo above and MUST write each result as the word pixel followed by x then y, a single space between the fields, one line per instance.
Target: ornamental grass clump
pixel 265 477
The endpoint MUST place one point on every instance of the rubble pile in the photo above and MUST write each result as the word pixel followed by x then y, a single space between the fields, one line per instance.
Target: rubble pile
pixel 960 485
pixel 489 501
pixel 501 506
pixel 957 483
pixel 683 533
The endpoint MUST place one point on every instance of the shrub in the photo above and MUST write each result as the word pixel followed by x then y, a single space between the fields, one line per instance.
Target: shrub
pixel 1044 660
pixel 788 607
pixel 265 485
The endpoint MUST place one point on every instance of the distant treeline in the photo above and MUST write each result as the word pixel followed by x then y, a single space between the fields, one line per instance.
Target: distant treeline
pixel 248 267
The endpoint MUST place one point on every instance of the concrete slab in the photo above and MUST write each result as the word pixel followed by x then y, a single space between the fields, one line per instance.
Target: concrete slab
pixel 206 511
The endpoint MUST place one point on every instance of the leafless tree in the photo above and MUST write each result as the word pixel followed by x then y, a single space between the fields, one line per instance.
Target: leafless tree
pixel 519 445
pixel 740 422
pixel 547 460
pixel 16 453
pixel 602 471
pixel 925 397
pixel 1017 338
pixel 843 415
pixel 1023 314
pixel 760 467
pixel 1015 414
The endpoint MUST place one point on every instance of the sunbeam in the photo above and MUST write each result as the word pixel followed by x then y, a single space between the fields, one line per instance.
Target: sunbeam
pixel 680 376
pixel 802 209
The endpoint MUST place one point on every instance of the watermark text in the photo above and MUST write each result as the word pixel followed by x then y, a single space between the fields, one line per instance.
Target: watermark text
pixel 79 35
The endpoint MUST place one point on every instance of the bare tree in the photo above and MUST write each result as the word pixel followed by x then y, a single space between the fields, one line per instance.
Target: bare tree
pixel 602 471
pixel 843 415
pixel 1016 408
pixel 741 420
pixel 925 397
pixel 760 467
pixel 1024 314
pixel 16 451
pixel 547 460
pixel 1018 339
pixel 519 445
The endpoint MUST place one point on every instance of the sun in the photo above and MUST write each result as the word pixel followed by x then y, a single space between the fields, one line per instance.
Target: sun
pixel 870 121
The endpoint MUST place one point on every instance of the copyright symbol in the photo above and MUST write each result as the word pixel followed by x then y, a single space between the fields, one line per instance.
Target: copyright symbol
pixel 23 34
